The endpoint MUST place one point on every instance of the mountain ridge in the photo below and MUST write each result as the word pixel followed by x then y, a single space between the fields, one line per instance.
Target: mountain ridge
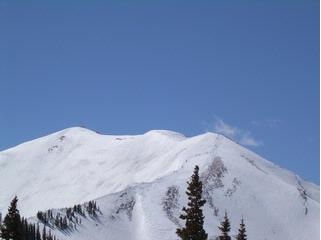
pixel 77 165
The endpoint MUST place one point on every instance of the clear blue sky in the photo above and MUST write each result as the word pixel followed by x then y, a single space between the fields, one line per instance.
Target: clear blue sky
pixel 249 68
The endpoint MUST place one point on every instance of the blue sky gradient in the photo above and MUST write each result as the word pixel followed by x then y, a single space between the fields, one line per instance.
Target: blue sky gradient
pixel 126 67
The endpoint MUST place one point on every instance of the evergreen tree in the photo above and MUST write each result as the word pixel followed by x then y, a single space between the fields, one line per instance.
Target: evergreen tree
pixel 44 233
pixel 12 227
pixel 25 229
pixel 57 221
pixel 38 235
pixel 64 223
pixel 16 228
pixel 40 216
pixel 193 214
pixel 225 228
pixel 242 231
pixel 49 237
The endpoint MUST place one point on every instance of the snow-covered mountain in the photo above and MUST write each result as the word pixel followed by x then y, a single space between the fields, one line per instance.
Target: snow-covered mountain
pixel 139 183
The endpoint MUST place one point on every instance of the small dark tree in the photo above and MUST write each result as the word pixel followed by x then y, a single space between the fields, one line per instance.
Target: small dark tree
pixel 64 223
pixel 242 231
pixel 193 214
pixel 38 235
pixel 57 221
pixel 44 233
pixel 40 216
pixel 225 228
pixel 12 226
pixel 49 237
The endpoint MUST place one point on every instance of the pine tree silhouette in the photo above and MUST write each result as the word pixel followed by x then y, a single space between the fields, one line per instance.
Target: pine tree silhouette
pixel 225 228
pixel 44 233
pixel 12 226
pixel 193 214
pixel 16 228
pixel 242 231
pixel 38 235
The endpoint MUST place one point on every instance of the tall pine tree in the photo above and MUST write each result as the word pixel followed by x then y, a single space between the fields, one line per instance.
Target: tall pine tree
pixel 12 226
pixel 225 228
pixel 193 214
pixel 242 231
pixel 16 228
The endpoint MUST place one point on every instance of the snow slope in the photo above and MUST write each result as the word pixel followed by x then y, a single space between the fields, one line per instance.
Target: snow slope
pixel 147 174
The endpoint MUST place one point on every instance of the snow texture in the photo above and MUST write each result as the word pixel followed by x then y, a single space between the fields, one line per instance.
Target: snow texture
pixel 139 184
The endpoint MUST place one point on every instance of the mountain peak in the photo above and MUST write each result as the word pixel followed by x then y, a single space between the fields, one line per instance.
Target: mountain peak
pixel 149 172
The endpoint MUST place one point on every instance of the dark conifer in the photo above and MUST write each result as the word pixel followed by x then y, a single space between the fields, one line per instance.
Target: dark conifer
pixel 16 228
pixel 225 228
pixel 64 223
pixel 242 231
pixel 57 221
pixel 49 237
pixel 12 226
pixel 193 214
pixel 38 235
pixel 44 233
pixel 40 216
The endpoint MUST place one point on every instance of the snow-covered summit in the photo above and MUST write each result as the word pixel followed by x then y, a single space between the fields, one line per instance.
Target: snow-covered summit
pixel 76 165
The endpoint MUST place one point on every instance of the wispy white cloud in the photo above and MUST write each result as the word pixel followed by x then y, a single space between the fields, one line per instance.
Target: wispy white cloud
pixel 248 140
pixel 269 122
pixel 221 127
pixel 241 136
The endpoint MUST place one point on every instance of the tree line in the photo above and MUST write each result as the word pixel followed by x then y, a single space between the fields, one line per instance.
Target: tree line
pixel 194 218
pixel 72 217
pixel 15 227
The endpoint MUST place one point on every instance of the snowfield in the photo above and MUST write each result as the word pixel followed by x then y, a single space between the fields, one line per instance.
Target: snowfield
pixel 139 184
